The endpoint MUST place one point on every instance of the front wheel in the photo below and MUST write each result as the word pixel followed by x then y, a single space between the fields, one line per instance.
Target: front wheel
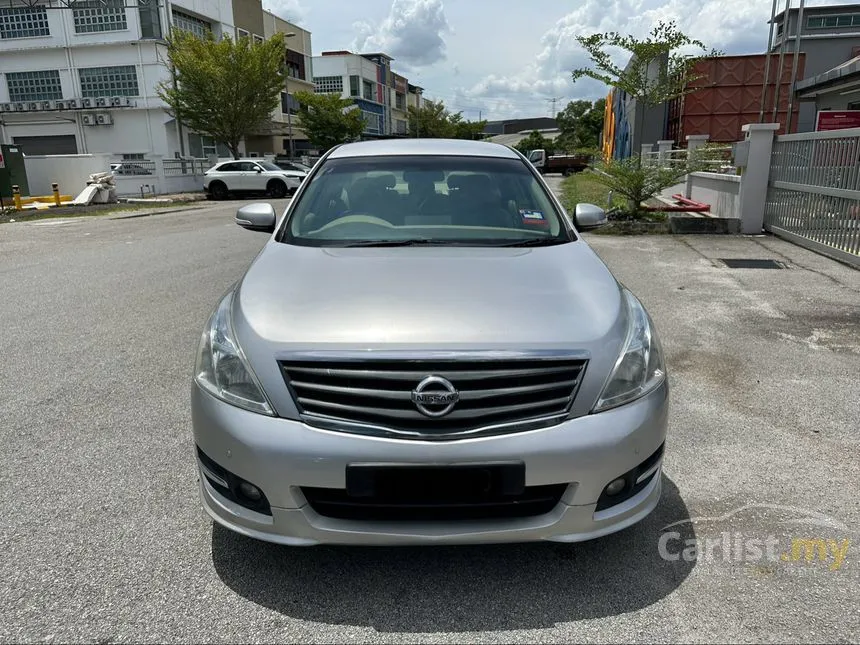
pixel 218 190
pixel 277 189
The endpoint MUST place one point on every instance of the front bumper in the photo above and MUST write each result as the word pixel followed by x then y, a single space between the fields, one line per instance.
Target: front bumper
pixel 282 456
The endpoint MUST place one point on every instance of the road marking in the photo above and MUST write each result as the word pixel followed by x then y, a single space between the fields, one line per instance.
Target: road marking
pixel 56 222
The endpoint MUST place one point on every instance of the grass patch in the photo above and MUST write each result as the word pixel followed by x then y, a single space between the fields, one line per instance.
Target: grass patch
pixel 584 188
pixel 93 210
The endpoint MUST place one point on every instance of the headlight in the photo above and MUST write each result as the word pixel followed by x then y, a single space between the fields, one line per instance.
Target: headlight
pixel 222 369
pixel 639 368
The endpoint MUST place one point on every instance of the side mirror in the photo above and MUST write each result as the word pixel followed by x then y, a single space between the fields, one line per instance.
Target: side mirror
pixel 259 170
pixel 257 217
pixel 589 216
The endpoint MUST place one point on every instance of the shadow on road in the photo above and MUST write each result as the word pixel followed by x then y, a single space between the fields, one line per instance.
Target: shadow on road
pixel 463 588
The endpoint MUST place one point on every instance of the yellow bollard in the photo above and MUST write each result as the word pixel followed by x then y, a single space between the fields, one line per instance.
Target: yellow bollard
pixel 16 196
pixel 56 190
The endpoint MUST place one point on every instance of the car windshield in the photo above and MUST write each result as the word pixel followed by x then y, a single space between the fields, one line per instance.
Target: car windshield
pixel 267 165
pixel 445 200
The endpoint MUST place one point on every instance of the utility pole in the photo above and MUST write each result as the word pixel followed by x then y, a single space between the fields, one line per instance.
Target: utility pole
pixel 782 44
pixel 554 100
pixel 788 118
pixel 767 63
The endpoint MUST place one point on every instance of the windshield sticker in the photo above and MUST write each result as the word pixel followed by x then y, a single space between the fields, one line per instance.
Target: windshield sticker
pixel 532 217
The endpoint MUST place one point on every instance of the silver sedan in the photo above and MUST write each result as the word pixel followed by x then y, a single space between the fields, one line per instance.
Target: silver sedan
pixel 426 351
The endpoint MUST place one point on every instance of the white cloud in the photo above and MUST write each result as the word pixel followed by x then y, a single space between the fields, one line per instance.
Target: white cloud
pixel 290 10
pixel 412 33
pixel 733 26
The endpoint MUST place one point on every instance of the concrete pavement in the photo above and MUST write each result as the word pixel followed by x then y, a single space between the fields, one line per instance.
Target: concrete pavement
pixel 104 540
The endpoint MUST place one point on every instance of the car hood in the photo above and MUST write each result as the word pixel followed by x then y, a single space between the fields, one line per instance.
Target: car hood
pixel 442 297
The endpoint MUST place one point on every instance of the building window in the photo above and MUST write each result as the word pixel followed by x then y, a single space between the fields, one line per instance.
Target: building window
pixel 109 81
pixel 96 16
pixel 289 103
pixel 133 156
pixel 400 126
pixel 241 33
pixel 400 101
pixel 353 86
pixel 23 22
pixel 150 20
pixel 780 28
pixel 34 86
pixel 328 84
pixel 368 91
pixel 191 24
pixel 258 39
pixel 825 22
pixel 371 122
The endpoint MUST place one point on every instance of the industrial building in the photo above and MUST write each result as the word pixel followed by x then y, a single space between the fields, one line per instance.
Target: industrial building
pixel 82 78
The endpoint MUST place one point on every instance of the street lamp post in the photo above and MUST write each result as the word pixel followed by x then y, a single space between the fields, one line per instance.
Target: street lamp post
pixel 289 34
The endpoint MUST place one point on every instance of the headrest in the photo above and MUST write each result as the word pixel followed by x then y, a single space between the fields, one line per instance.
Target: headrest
pixel 455 180
pixel 385 181
pixel 423 175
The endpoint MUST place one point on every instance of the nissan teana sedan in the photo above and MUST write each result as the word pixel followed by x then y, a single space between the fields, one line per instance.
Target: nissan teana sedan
pixel 426 351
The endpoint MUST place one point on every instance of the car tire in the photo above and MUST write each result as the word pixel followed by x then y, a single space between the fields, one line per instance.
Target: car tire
pixel 277 189
pixel 218 190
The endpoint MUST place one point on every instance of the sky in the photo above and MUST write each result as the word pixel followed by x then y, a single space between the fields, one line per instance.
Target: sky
pixel 496 59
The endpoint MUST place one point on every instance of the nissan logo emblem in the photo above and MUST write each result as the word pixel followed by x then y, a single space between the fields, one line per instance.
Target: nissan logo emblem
pixel 435 396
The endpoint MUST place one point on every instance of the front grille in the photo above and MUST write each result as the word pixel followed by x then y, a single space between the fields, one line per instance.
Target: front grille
pixel 384 506
pixel 380 392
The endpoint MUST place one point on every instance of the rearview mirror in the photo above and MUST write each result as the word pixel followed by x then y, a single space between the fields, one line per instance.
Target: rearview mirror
pixel 589 216
pixel 257 217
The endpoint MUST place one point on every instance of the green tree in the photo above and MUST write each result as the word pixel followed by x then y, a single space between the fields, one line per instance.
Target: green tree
pixel 328 120
pixel 433 121
pixel 650 86
pixel 223 88
pixel 580 123
pixel 536 141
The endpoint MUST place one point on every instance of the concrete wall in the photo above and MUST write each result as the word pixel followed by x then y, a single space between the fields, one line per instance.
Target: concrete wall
pixel 248 15
pixel 69 171
pixel 721 191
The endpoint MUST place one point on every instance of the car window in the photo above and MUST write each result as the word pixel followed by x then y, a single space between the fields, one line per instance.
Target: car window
pixel 248 166
pixel 268 165
pixel 434 199
pixel 229 167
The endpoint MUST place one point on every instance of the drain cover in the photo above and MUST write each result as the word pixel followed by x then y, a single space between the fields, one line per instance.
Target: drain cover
pixel 746 263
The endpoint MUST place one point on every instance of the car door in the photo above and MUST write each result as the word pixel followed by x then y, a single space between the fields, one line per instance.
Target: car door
pixel 231 175
pixel 253 176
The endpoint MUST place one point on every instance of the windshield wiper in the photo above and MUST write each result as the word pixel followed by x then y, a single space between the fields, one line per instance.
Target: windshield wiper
pixel 538 241
pixel 413 241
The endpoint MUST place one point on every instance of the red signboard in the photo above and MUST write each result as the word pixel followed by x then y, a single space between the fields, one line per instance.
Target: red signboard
pixel 837 120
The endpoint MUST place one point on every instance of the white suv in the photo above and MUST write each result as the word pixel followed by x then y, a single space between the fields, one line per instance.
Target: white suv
pixel 251 176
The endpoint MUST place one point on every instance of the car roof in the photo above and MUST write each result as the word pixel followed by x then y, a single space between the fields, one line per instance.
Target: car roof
pixel 452 147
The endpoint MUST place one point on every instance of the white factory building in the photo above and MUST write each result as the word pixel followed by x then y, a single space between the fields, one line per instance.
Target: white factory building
pixel 83 80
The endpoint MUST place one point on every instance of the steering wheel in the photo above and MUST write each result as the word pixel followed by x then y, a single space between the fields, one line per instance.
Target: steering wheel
pixel 356 218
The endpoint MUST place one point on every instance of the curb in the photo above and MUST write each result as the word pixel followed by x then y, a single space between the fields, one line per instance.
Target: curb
pixel 155 212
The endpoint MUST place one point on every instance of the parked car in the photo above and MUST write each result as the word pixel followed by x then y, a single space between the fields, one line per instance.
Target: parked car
pixel 129 168
pixel 426 351
pixel 292 165
pixel 251 176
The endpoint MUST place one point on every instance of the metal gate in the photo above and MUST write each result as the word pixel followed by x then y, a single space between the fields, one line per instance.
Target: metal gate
pixel 813 198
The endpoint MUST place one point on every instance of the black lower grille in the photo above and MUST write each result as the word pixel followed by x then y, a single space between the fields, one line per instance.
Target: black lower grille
pixel 338 504
pixel 478 393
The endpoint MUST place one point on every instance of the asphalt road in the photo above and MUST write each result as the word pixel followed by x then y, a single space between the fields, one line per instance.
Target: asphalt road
pixel 103 538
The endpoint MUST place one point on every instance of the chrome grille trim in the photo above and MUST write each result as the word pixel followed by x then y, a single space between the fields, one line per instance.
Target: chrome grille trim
pixel 369 392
